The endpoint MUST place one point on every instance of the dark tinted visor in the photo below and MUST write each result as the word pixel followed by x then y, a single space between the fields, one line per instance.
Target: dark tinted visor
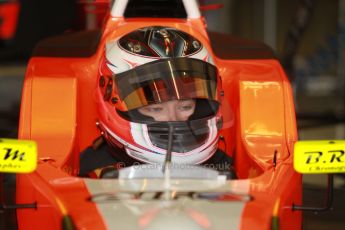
pixel 166 79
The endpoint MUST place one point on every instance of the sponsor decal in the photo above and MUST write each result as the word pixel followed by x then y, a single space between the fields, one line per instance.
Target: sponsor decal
pixel 320 157
pixel 17 156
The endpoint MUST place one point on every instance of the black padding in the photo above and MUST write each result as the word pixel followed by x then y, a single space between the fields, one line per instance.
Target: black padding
pixel 204 108
pixel 77 44
pixel 227 46
pixel 223 163
pixel 155 9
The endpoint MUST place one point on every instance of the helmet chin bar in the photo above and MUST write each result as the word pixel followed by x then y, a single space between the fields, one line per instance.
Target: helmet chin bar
pixel 157 158
pixel 187 135
pixel 143 153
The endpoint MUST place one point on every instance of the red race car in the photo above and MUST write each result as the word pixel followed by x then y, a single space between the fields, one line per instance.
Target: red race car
pixel 58 112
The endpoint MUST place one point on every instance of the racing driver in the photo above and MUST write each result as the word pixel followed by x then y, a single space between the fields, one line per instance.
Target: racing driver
pixel 150 79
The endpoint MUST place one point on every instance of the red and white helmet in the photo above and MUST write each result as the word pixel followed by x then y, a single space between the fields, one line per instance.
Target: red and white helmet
pixel 153 65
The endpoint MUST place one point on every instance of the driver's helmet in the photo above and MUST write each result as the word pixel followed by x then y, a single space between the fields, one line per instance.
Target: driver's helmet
pixel 154 65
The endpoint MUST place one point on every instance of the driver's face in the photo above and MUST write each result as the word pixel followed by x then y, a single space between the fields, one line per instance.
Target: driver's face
pixel 174 110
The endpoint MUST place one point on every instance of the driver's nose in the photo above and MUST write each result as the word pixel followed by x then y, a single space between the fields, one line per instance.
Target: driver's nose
pixel 172 114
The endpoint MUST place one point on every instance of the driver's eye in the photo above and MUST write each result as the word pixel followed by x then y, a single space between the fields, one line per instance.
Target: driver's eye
pixel 186 107
pixel 154 109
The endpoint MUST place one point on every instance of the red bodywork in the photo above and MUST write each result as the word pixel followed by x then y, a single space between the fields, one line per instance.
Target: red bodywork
pixel 9 12
pixel 58 111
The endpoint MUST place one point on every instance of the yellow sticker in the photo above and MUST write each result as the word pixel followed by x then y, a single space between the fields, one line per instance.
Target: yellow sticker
pixel 313 157
pixel 17 156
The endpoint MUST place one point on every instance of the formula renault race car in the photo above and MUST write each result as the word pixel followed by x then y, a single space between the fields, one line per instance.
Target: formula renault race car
pixel 58 116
